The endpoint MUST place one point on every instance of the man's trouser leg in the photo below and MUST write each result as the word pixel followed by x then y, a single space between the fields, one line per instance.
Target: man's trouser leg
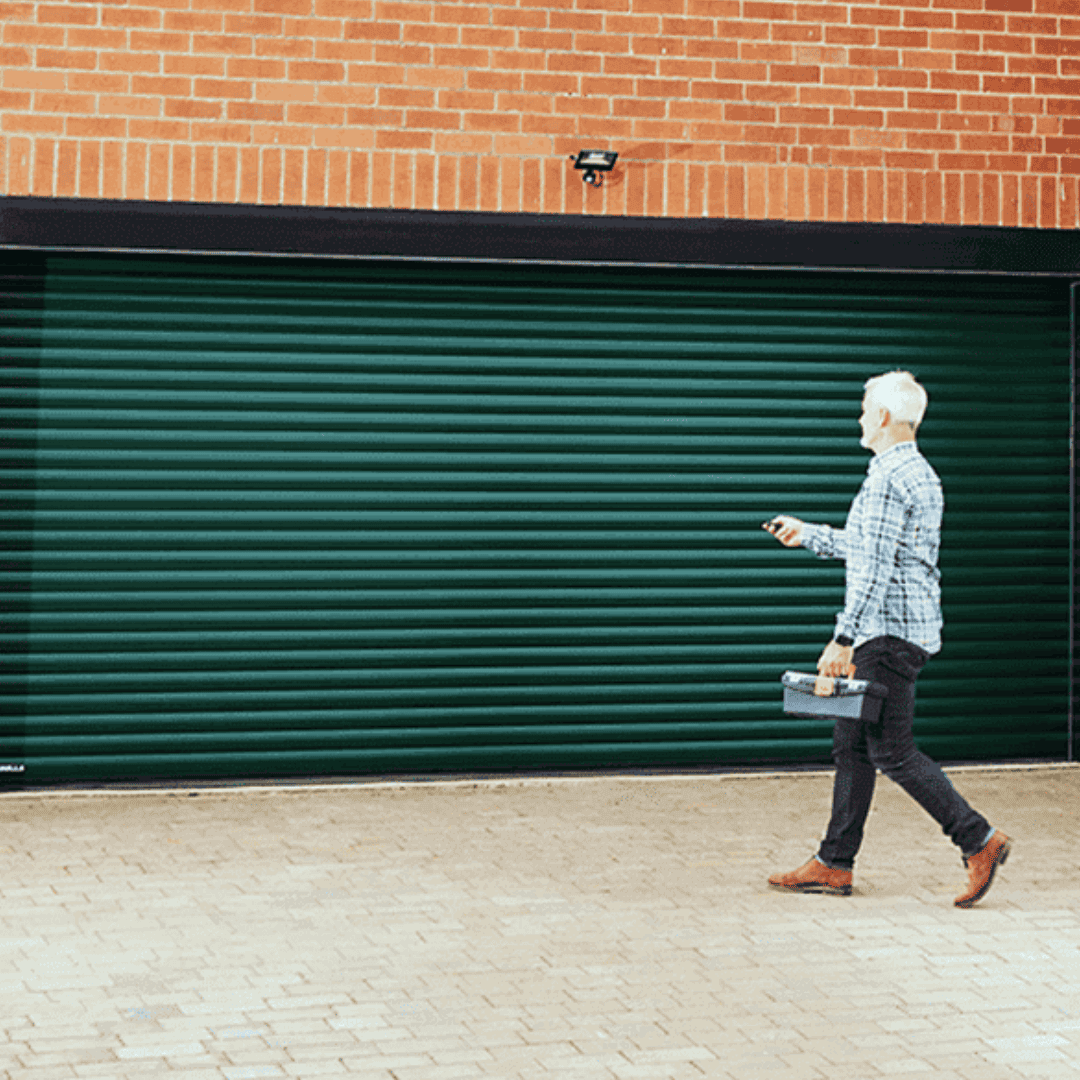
pixel 860 749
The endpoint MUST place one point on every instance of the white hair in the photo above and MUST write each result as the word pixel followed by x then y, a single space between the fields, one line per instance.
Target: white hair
pixel 900 394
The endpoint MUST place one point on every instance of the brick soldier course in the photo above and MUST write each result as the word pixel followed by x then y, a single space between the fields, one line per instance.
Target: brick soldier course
pixel 596 927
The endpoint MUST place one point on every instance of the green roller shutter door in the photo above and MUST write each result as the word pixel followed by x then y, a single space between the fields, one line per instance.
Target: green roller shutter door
pixel 316 517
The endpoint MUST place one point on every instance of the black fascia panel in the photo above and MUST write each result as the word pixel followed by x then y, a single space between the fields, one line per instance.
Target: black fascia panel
pixel 125 225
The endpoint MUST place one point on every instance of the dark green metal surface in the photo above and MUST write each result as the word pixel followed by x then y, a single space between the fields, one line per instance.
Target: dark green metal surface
pixel 299 517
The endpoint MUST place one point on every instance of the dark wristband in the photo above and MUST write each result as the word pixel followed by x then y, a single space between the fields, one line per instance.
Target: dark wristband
pixel 843 640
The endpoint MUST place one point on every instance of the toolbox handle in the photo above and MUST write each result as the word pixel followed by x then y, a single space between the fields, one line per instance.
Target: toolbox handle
pixel 800 680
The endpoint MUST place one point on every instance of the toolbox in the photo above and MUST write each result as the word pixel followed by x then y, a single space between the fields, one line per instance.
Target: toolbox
pixel 856 699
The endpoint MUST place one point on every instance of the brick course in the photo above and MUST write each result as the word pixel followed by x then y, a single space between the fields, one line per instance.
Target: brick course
pixel 966 111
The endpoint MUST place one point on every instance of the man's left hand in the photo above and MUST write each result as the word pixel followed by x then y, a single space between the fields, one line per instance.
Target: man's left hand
pixel 837 660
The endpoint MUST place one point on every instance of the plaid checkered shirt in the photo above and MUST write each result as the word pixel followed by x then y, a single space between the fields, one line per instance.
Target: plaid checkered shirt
pixel 890 545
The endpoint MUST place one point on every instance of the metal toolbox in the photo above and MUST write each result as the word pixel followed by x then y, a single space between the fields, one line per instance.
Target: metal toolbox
pixel 856 699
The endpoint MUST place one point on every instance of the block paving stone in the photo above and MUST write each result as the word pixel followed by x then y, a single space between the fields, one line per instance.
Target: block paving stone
pixel 602 927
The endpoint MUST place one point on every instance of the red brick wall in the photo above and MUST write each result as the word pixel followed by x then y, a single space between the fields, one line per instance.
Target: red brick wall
pixel 958 111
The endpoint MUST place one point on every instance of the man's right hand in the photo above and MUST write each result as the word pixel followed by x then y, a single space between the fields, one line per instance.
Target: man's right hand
pixel 788 530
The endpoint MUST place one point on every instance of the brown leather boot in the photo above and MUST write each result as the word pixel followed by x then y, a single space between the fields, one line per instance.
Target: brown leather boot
pixel 815 877
pixel 982 867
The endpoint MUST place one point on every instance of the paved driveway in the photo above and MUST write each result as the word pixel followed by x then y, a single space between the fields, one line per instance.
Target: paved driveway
pixel 593 928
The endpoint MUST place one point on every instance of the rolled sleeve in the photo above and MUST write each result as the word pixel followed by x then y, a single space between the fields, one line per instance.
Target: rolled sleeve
pixel 824 541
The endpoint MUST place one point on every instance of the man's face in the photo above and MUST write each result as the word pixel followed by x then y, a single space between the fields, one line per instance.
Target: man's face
pixel 870 422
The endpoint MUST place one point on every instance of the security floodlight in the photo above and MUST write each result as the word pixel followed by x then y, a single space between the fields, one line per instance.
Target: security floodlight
pixel 595 162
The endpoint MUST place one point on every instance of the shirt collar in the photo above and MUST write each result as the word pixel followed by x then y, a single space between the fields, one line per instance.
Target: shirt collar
pixel 903 447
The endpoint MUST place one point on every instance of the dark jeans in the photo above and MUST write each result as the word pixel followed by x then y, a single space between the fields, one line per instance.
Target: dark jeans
pixel 860 749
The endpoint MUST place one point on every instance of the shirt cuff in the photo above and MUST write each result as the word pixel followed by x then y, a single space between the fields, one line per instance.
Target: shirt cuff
pixel 817 538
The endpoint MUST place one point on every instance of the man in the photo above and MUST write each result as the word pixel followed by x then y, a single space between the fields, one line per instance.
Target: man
pixel 889 628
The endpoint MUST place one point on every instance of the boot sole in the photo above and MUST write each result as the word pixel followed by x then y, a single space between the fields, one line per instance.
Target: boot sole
pixel 815 887
pixel 999 860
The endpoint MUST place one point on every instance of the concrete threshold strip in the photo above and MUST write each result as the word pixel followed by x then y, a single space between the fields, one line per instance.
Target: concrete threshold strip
pixel 294 786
